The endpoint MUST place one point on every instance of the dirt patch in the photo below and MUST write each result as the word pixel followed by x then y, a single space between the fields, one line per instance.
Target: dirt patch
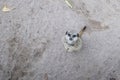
pixel 96 25
pixel 79 7
pixel 19 58
pixel 12 45
pixel 39 52
pixel 39 46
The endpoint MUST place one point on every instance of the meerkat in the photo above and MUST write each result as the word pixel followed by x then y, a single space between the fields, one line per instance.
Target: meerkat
pixel 72 40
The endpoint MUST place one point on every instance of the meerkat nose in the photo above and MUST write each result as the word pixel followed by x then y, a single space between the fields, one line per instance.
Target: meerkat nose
pixel 70 38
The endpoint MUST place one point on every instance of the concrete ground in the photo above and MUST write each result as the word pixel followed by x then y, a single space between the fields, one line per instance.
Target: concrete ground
pixel 31 47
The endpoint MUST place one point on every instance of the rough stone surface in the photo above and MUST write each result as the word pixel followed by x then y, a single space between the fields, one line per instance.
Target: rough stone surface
pixel 31 47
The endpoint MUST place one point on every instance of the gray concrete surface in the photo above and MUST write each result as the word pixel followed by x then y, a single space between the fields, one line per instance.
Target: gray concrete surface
pixel 30 40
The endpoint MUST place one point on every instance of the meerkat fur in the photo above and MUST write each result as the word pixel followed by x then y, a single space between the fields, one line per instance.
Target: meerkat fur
pixel 72 40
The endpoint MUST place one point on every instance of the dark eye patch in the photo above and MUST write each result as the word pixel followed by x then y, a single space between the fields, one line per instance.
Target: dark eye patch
pixel 69 34
pixel 74 35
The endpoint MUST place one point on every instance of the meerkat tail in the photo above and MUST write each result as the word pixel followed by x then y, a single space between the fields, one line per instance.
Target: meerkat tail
pixel 81 32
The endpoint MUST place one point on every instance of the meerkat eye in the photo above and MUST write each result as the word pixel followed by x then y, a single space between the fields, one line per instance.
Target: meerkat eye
pixel 74 35
pixel 69 35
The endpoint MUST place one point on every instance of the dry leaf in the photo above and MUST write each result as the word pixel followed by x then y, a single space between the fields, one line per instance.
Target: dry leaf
pixel 6 9
pixel 69 3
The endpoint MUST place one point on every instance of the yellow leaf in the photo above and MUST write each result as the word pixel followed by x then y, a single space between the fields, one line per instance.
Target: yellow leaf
pixel 5 9
pixel 69 3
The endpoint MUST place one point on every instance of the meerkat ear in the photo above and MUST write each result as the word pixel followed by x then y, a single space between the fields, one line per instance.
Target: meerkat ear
pixel 66 32
pixel 77 35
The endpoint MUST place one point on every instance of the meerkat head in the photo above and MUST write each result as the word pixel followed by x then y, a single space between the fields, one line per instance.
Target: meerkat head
pixel 71 37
